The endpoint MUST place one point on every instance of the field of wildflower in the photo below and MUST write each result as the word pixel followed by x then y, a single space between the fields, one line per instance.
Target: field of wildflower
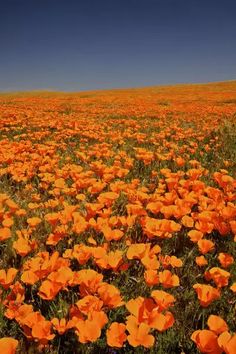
pixel 118 221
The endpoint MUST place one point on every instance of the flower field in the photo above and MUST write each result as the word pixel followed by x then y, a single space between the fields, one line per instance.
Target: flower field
pixel 118 221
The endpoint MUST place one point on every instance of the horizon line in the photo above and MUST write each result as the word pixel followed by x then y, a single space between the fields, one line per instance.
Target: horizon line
pixel 52 90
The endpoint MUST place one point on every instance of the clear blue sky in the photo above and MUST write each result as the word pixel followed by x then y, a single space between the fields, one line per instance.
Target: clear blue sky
pixel 75 45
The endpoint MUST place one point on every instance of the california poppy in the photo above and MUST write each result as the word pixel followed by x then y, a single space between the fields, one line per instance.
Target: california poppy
pixel 206 294
pixel 116 335
pixel 206 341
pixel 138 333
pixel 8 345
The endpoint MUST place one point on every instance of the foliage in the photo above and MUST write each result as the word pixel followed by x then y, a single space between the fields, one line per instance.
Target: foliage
pixel 117 214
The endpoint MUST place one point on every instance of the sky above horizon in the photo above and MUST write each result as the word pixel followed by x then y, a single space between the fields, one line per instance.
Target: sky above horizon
pixel 70 45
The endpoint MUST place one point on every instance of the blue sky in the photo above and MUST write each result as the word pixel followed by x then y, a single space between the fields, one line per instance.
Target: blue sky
pixel 74 45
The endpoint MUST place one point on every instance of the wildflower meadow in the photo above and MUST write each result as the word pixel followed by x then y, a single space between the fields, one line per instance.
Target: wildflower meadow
pixel 118 221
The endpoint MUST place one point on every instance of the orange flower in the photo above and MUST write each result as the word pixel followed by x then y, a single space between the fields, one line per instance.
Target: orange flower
pixel 48 290
pixel 172 261
pixel 42 331
pixel 59 325
pixel 135 209
pixel 161 321
pixel 154 207
pixel 145 310
pixel 110 295
pixel 29 277
pixel 218 275
pixel 5 233
pixel 87 331
pixel 112 260
pixel 138 333
pixel 8 345
pixel 159 227
pixel 52 218
pixel 205 246
pixel 168 280
pixel 62 277
pixel 17 293
pixel 24 246
pixel 140 307
pixel 80 224
pixel 33 222
pixel 175 262
pixel 110 234
pixel 89 303
pixel 206 341
pixel 187 221
pixel 30 320
pixel 217 324
pixel 206 294
pixel 137 250
pixel 22 312
pixel 116 335
pixel 195 235
pixel 227 342
pixel 163 299
pixel 151 277
pixel 107 198
pixel 90 329
pixel 89 281
pixel 201 261
pixel 233 287
pixel 225 259
pixel 7 277
pixel 8 222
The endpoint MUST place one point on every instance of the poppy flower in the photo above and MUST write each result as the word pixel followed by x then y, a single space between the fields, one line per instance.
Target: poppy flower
pixel 63 276
pixel 138 333
pixel 206 341
pixel 23 246
pixel 29 277
pixel 112 260
pixel 218 275
pixel 187 221
pixel 116 335
pixel 89 303
pixel 168 280
pixel 112 234
pixel 162 322
pixel 151 277
pixel 87 331
pixel 110 295
pixel 7 277
pixel 5 233
pixel 225 259
pixel 60 325
pixel 8 345
pixel 48 290
pixel 205 246
pixel 33 222
pixel 137 250
pixel 195 235
pixel 217 324
pixel 138 306
pixel 89 281
pixel 233 287
pixel 206 294
pixel 42 331
pixel 7 222
pixel 201 261
pixel 90 329
pixel 227 342
pixel 163 299
pixel 22 312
